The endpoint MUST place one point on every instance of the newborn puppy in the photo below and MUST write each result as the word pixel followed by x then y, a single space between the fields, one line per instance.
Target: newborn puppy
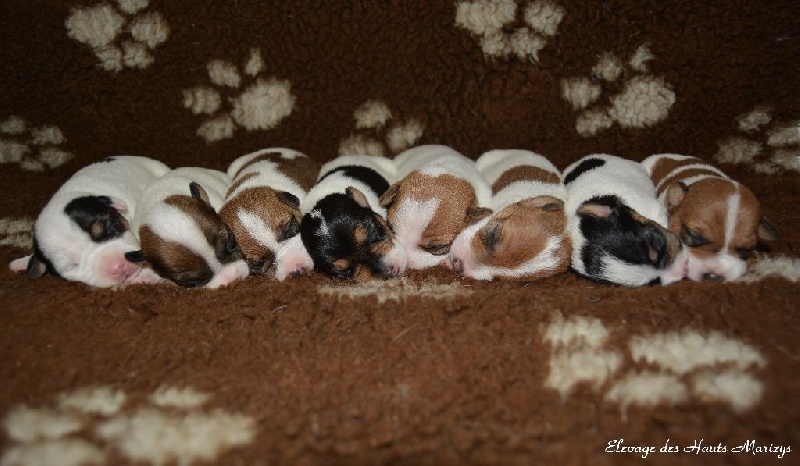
pixel 525 238
pixel 617 226
pixel 262 207
pixel 440 194
pixel 717 218
pixel 182 236
pixel 344 227
pixel 83 234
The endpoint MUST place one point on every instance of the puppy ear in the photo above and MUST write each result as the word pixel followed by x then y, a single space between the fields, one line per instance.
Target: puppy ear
pixel 357 196
pixel 767 232
pixel 475 213
pixel 675 194
pixel 288 198
pixel 546 203
pixel 589 209
pixel 18 265
pixel 388 197
pixel 118 204
pixel 199 193
pixel 36 267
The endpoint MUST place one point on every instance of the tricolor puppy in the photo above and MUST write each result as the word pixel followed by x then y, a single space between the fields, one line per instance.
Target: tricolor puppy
pixel 440 193
pixel 344 228
pixel 262 207
pixel 617 225
pixel 182 236
pixel 83 234
pixel 525 238
pixel 717 218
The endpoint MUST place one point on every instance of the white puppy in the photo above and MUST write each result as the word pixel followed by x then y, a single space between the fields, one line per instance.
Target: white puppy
pixel 182 236
pixel 83 234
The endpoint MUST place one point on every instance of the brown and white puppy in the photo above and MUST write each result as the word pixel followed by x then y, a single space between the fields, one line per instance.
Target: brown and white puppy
pixel 182 236
pixel 83 234
pixel 440 193
pixel 344 227
pixel 262 208
pixel 525 238
pixel 718 218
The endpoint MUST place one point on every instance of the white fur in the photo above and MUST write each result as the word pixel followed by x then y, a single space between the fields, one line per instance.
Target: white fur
pixel 72 252
pixel 292 258
pixel 628 181
pixel 175 225
pixel 492 165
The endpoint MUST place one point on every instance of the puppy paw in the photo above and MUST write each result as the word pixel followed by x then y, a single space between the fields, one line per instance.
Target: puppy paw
pixel 230 274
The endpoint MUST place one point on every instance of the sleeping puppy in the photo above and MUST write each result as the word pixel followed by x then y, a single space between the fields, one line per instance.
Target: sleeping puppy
pixel 262 208
pixel 617 226
pixel 440 194
pixel 717 218
pixel 344 227
pixel 182 236
pixel 525 238
pixel 83 234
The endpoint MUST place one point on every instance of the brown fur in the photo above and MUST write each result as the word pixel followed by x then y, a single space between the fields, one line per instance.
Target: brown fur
pixel 524 173
pixel 665 165
pixel 522 231
pixel 301 169
pixel 684 175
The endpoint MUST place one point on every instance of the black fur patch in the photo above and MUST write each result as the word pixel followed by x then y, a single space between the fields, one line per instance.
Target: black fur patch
pixel 583 167
pixel 343 216
pixel 620 235
pixel 96 216
pixel 368 176
pixel 38 256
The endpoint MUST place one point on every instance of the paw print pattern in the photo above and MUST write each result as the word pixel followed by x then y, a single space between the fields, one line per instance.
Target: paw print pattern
pixel 503 33
pixel 34 149
pixel 394 290
pixel 643 100
pixel 768 147
pixel 82 427
pixel 17 232
pixel 375 136
pixel 121 36
pixel 260 106
pixel 664 368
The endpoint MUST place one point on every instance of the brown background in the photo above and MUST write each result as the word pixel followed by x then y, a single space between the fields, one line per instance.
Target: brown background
pixel 416 380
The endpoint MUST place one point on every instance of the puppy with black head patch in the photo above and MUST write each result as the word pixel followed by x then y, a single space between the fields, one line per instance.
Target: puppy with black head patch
pixel 182 236
pixel 83 233
pixel 525 238
pixel 262 209
pixel 440 193
pixel 344 227
pixel 718 218
pixel 618 226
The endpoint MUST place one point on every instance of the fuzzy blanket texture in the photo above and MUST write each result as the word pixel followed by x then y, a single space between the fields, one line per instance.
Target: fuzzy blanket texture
pixel 428 368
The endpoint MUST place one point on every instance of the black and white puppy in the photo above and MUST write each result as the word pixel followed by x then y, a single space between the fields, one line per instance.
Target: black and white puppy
pixel 617 225
pixel 344 227
pixel 83 234
pixel 182 235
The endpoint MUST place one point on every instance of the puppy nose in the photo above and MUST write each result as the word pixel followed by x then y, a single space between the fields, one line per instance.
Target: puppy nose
pixel 458 265
pixel 394 271
pixel 713 277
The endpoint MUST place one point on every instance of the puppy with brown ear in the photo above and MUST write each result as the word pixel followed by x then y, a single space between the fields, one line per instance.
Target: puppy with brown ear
pixel 525 238
pixel 182 236
pixel 719 219
pixel 262 208
pixel 440 193
pixel 344 227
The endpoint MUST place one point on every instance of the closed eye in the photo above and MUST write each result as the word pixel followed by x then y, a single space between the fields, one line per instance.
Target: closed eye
pixel 692 238
pixel 744 253
pixel 376 235
pixel 436 249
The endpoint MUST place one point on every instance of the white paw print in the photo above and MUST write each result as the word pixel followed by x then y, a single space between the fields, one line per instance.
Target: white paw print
pixel 767 146
pixel 643 101
pixel 374 135
pixel 32 148
pixel 260 106
pixel 84 426
pixel 17 232
pixel 121 36
pixel 491 21
pixel 664 368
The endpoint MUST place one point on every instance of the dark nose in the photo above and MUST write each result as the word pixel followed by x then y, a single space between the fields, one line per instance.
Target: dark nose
pixel 134 256
pixel 458 265
pixel 713 277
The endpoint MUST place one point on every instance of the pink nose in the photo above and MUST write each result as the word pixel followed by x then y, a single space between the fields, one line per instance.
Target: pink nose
pixel 458 265
pixel 120 270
